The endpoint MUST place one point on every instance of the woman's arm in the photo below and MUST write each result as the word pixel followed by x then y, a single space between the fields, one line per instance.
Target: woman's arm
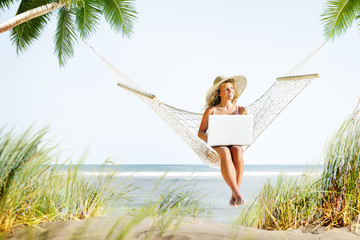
pixel 204 124
pixel 242 111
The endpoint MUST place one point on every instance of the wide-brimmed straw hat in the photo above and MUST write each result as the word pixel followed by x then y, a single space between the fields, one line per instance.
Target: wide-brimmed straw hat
pixel 239 80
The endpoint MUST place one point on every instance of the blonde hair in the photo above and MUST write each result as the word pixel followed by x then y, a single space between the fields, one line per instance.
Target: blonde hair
pixel 215 98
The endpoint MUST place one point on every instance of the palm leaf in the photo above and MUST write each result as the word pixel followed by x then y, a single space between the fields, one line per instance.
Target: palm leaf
pixel 338 16
pixel 5 3
pixel 120 14
pixel 24 34
pixel 87 18
pixel 65 35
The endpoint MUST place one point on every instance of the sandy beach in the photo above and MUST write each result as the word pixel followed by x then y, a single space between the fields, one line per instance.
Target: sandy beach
pixel 114 227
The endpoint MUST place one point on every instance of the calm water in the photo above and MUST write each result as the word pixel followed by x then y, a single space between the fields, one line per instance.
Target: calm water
pixel 206 180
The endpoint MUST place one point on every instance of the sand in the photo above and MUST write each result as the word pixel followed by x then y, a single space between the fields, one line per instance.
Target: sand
pixel 111 227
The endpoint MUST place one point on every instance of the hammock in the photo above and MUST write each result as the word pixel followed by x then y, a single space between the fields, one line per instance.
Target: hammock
pixel 186 124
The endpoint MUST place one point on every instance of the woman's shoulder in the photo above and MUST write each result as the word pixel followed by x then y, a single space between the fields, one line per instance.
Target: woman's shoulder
pixel 209 110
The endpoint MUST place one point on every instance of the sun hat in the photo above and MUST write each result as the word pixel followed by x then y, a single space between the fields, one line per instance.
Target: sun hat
pixel 240 82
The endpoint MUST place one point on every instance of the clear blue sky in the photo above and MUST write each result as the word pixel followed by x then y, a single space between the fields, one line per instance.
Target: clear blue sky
pixel 177 49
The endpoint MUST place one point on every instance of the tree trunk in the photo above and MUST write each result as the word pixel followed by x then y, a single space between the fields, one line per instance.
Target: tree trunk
pixel 28 15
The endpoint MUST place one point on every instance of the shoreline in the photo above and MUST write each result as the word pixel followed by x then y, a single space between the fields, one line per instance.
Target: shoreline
pixel 112 227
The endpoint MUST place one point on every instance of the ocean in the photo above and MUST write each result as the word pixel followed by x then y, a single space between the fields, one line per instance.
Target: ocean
pixel 201 178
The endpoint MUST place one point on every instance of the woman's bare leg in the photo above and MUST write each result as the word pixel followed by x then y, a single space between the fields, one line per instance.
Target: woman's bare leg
pixel 228 170
pixel 237 157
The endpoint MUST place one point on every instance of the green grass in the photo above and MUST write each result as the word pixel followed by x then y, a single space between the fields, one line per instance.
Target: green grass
pixel 331 199
pixel 33 190
pixel 166 205
pixel 174 197
pixel 340 181
pixel 172 203
pixel 291 203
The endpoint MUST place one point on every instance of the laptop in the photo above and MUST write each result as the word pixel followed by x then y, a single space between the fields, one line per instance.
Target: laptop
pixel 227 130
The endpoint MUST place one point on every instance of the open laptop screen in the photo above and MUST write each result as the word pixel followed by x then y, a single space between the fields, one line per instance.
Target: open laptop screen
pixel 225 130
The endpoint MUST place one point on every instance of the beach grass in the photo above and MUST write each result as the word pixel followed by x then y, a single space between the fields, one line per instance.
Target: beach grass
pixel 173 197
pixel 340 180
pixel 172 202
pixel 291 203
pixel 331 199
pixel 34 190
pixel 166 205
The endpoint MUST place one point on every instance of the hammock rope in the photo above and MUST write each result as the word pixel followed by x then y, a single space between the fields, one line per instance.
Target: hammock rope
pixel 186 124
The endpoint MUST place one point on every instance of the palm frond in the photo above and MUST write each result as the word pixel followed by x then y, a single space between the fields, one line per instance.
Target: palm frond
pixel 87 18
pixel 25 34
pixel 120 14
pixel 65 35
pixel 5 3
pixel 338 17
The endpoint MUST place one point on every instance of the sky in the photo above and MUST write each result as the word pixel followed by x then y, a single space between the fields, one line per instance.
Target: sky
pixel 176 51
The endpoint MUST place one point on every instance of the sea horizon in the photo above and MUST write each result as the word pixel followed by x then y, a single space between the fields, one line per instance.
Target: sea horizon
pixel 208 182
pixel 252 169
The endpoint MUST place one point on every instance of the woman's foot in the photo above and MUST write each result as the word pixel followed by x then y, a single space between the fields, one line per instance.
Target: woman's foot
pixel 239 200
pixel 232 202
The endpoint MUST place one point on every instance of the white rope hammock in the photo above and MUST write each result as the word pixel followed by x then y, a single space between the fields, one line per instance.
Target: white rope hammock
pixel 186 124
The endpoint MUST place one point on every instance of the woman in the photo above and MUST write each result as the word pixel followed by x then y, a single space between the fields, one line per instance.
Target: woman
pixel 221 99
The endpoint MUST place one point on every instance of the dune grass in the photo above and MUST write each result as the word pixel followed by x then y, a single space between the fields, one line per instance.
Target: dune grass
pixel 340 181
pixel 173 197
pixel 33 190
pixel 169 203
pixel 331 199
pixel 292 202
pixel 167 207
